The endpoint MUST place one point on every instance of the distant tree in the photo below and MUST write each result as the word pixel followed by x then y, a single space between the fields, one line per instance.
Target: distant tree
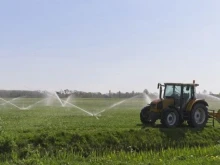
pixel 67 91
pixel 146 91
pixel 204 92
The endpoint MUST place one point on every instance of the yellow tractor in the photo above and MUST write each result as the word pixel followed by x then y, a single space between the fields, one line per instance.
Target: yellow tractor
pixel 177 103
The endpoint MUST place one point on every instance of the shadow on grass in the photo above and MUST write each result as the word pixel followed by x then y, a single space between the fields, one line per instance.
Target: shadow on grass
pixel 173 133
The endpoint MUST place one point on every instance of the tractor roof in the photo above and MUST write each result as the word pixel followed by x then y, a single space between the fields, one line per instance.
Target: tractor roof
pixel 190 84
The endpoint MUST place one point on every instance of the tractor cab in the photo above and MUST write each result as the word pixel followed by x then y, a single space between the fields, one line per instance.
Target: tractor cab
pixel 180 93
pixel 177 103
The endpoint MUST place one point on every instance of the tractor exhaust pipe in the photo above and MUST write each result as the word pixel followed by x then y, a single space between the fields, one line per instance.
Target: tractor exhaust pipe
pixel 160 92
pixel 160 86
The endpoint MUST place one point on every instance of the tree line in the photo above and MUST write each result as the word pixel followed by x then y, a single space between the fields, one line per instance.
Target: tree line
pixel 66 93
pixel 81 94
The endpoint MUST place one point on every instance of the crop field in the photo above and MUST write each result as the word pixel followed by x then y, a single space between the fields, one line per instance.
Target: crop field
pixel 97 131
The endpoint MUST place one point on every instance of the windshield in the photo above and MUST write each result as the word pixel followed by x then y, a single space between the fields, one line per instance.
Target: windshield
pixel 172 90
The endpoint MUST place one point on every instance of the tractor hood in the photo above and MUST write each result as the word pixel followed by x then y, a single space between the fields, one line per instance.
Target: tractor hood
pixel 156 101
pixel 157 104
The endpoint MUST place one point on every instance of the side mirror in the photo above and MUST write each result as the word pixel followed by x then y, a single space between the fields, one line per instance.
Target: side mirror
pixel 158 85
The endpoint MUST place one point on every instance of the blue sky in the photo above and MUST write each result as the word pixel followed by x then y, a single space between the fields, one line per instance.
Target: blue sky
pixel 113 45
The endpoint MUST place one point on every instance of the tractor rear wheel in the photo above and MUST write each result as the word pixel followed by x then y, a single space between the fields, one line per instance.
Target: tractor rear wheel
pixel 144 115
pixel 199 116
pixel 170 118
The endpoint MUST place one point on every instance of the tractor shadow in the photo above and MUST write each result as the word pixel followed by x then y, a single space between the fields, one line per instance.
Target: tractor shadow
pixel 176 134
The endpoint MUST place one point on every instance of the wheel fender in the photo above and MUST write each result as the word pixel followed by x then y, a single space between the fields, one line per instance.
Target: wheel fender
pixel 198 101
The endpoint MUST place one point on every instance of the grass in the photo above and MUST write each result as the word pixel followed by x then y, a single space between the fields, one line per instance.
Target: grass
pixel 185 156
pixel 70 118
pixel 62 135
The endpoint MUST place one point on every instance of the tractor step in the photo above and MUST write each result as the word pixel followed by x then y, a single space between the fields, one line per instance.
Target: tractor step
pixel 186 115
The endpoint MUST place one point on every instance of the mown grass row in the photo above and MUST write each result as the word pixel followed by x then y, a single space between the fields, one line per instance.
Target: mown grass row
pixel 127 141
pixel 182 156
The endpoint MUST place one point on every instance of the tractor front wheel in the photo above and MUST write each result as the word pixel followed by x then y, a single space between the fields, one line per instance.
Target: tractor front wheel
pixel 199 116
pixel 144 115
pixel 170 118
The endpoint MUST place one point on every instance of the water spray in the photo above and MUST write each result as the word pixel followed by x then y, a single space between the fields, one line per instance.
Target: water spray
pixel 147 98
pixel 10 103
pixel 79 108
pixel 53 94
pixel 12 100
pixel 64 102
pixel 118 103
pixel 67 100
pixel 59 99
pixel 30 106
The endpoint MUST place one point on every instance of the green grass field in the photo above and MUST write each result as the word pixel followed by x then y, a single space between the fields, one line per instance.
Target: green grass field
pixel 46 134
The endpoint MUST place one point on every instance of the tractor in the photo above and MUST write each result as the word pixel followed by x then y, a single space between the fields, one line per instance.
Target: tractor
pixel 177 103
